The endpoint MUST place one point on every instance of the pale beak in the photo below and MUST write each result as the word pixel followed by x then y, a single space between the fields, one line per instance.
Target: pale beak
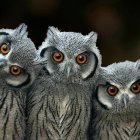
pixel 68 71
pixel 125 99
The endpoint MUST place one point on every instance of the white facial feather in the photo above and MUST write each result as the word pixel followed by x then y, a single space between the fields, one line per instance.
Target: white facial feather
pixel 121 75
pixel 103 98
pixel 71 45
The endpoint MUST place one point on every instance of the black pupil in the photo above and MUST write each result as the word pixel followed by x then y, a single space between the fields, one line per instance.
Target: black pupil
pixel 15 69
pixel 81 58
pixel 4 48
pixel 135 87
pixel 112 90
pixel 57 55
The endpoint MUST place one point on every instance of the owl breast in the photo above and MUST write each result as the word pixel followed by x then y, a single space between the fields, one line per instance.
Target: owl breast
pixel 116 127
pixel 63 113
pixel 64 107
pixel 12 116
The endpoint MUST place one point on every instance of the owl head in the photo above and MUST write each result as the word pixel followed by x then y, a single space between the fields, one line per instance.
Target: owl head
pixel 70 54
pixel 119 87
pixel 17 55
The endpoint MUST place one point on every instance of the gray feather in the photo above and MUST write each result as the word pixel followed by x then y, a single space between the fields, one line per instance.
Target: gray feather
pixel 21 31
pixel 13 88
pixel 117 117
pixel 59 103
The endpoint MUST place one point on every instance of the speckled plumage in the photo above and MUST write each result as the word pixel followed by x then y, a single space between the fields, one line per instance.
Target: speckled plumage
pixel 22 53
pixel 117 117
pixel 59 103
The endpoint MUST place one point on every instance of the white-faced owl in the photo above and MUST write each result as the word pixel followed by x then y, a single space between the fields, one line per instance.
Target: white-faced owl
pixel 116 111
pixel 59 103
pixel 17 54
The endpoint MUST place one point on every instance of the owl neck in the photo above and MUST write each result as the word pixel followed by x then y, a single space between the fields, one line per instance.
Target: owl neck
pixel 58 78
pixel 114 116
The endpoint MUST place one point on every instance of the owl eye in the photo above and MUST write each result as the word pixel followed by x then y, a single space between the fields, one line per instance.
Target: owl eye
pixel 81 59
pixel 4 49
pixel 135 88
pixel 57 56
pixel 112 90
pixel 15 70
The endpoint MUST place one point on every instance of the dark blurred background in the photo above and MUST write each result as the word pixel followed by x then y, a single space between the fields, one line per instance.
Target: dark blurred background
pixel 117 22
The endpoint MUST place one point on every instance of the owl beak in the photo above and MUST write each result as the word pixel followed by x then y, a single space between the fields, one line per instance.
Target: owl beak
pixel 125 100
pixel 68 71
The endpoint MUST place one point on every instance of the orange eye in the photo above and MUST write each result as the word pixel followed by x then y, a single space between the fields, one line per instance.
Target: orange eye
pixel 57 56
pixel 135 88
pixel 81 58
pixel 4 49
pixel 15 70
pixel 112 90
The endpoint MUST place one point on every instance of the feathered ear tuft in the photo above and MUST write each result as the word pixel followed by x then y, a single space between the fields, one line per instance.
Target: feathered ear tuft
pixel 52 34
pixel 91 37
pixel 52 31
pixel 105 71
pixel 137 65
pixel 21 31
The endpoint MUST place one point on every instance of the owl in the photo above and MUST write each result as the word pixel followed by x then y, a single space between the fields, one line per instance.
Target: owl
pixel 59 103
pixel 17 55
pixel 116 103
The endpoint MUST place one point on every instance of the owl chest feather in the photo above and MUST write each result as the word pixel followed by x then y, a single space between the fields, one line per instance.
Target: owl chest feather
pixel 12 117
pixel 120 127
pixel 64 107
pixel 63 114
